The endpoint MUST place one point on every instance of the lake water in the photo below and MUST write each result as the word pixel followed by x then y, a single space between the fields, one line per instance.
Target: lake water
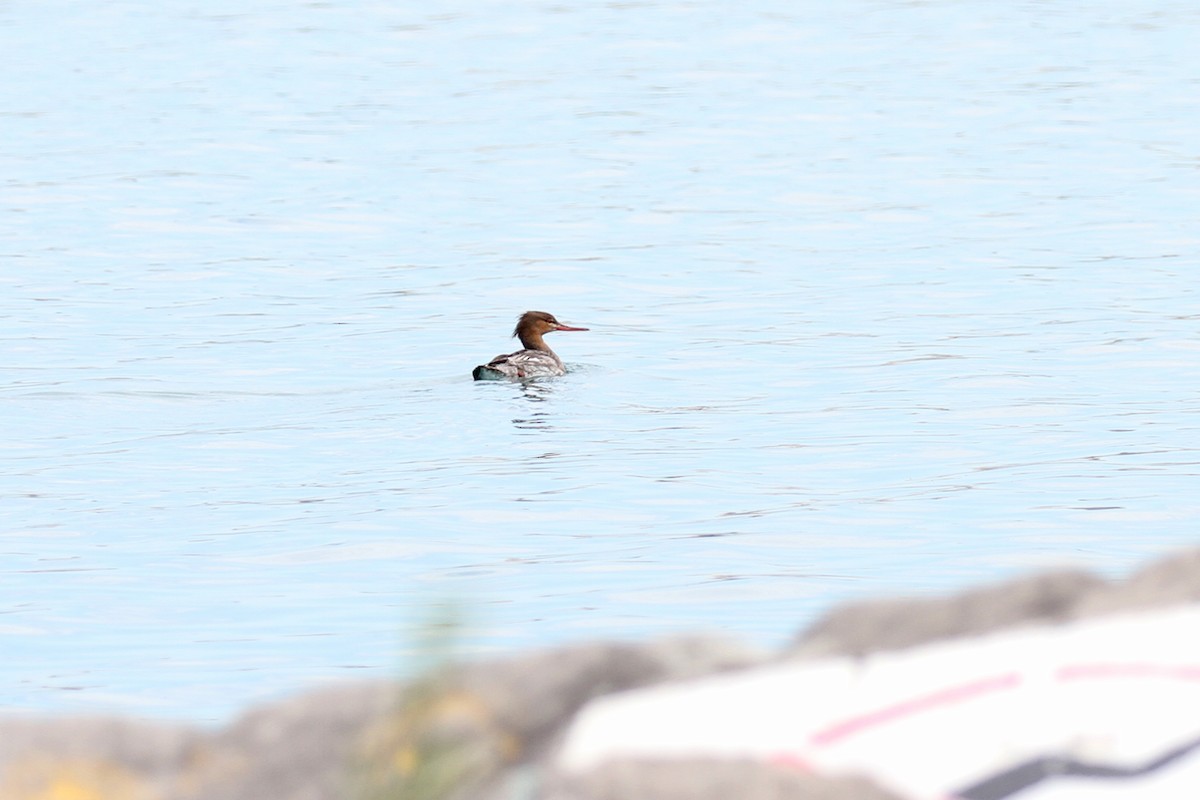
pixel 884 297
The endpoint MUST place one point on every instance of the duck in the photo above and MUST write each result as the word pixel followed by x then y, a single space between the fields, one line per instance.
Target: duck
pixel 535 359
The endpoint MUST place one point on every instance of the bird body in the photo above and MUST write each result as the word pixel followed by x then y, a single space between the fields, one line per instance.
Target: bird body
pixel 536 360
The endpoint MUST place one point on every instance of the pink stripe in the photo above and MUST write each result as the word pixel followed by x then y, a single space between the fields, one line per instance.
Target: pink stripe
pixel 790 760
pixel 1184 672
pixel 944 697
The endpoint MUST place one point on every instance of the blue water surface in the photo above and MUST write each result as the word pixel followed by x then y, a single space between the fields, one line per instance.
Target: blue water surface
pixel 885 297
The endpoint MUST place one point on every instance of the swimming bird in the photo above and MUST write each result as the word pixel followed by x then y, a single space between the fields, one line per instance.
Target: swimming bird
pixel 536 360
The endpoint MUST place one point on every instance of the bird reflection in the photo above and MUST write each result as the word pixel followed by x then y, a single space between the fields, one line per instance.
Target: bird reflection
pixel 539 421
pixel 535 392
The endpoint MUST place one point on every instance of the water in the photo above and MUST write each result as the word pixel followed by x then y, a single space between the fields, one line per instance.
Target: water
pixel 884 298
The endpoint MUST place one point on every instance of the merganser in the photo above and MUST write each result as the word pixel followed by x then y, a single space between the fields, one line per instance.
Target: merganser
pixel 536 360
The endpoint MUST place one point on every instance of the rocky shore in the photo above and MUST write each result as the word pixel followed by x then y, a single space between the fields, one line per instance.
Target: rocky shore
pixel 493 731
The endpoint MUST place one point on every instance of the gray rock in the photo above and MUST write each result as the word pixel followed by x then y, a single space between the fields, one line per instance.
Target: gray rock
pixel 1169 581
pixel 297 749
pixel 873 626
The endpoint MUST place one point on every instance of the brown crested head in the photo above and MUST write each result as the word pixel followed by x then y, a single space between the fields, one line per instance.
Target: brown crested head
pixel 532 321
pixel 534 324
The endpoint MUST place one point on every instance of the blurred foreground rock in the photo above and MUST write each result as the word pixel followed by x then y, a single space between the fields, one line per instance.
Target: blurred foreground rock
pixel 487 731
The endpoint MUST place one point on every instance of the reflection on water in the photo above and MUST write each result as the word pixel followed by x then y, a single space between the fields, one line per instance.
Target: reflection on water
pixel 535 421
pixel 882 300
pixel 537 391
